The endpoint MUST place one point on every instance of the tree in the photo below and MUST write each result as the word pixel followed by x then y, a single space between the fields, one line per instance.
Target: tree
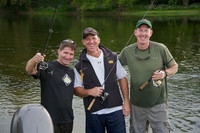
pixel 15 5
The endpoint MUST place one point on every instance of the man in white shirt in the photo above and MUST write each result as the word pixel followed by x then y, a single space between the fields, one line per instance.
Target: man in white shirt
pixel 96 76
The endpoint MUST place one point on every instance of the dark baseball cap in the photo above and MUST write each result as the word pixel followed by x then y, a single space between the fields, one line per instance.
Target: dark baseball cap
pixel 89 31
pixel 143 21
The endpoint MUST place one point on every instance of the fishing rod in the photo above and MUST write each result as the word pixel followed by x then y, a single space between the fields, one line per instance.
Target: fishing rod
pixel 50 31
pixel 151 5
pixel 158 83
pixel 43 65
pixel 106 94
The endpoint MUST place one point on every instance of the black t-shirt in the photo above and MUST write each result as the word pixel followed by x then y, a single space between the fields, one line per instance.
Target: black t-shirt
pixel 57 83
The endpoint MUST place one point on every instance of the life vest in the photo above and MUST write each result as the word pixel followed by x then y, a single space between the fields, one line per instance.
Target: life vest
pixel 90 80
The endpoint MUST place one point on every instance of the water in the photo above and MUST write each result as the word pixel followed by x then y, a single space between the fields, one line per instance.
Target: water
pixel 22 36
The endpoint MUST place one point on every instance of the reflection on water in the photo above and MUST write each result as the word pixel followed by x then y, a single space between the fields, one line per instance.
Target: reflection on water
pixel 21 37
pixel 184 99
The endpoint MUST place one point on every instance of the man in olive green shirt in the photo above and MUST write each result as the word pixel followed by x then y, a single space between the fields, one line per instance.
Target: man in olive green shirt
pixel 144 59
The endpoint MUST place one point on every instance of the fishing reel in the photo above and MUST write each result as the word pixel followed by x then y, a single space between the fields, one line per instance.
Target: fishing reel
pixel 104 96
pixel 157 83
pixel 43 65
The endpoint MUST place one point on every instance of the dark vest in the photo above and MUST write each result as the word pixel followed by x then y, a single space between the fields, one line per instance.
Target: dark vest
pixel 90 80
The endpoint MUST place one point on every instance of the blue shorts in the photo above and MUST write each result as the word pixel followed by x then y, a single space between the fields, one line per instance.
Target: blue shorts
pixel 112 122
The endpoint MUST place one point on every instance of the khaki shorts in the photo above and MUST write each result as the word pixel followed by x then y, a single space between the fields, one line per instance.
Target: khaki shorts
pixel 156 117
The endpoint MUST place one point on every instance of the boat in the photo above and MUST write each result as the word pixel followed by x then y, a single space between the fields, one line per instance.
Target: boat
pixel 31 118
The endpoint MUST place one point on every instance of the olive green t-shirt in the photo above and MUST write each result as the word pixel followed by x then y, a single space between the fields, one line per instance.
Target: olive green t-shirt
pixel 141 65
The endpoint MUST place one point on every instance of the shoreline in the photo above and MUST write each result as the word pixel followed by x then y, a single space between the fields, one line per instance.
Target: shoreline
pixel 136 12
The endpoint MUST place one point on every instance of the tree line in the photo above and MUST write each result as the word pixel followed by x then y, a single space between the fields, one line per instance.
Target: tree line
pixel 87 5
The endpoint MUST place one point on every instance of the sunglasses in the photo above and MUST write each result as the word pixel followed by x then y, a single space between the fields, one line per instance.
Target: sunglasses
pixel 146 58
pixel 68 41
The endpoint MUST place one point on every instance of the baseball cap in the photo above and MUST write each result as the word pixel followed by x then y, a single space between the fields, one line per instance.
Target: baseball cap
pixel 89 31
pixel 143 21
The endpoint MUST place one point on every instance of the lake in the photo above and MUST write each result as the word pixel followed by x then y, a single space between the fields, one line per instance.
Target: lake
pixel 21 36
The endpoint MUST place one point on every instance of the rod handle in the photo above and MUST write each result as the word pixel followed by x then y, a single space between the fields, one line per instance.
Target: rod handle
pixel 91 104
pixel 143 86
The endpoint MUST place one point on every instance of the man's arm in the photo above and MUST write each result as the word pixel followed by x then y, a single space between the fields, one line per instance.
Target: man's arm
pixel 82 92
pixel 31 66
pixel 172 70
pixel 168 72
pixel 125 92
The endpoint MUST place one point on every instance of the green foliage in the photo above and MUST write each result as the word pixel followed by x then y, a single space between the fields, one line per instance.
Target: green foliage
pixel 3 3
pixel 124 4
pixel 174 2
pixel 96 5
pixel 15 5
pixel 91 5
pixel 107 4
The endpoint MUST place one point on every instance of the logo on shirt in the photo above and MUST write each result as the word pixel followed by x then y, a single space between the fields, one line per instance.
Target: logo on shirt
pixel 110 61
pixel 67 80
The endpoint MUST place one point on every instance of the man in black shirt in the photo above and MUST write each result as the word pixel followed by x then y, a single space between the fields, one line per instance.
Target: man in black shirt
pixel 57 83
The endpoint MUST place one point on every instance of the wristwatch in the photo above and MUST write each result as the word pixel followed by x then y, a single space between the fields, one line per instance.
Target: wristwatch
pixel 166 73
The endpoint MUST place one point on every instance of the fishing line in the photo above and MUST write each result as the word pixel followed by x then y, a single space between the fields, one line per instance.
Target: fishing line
pixel 93 100
pixel 150 7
